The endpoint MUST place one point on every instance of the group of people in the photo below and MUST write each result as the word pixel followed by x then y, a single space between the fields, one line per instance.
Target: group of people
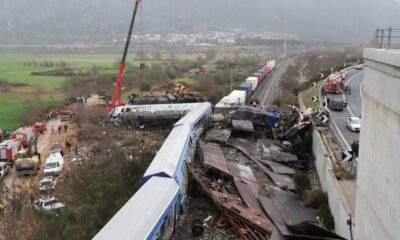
pixel 59 128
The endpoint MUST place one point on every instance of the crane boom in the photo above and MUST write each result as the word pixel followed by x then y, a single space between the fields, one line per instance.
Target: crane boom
pixel 121 69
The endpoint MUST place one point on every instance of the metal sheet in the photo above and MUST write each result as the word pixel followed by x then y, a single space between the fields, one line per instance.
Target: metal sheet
pixel 242 125
pixel 276 235
pixel 249 193
pixel 277 167
pixel 280 180
pixel 292 210
pixel 280 156
pixel 230 205
pixel 303 230
pixel 241 172
pixel 214 157
pixel 218 135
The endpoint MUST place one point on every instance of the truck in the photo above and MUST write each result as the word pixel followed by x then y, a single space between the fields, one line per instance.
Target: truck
pixel 334 83
pixel 9 150
pixel 40 127
pixel 24 135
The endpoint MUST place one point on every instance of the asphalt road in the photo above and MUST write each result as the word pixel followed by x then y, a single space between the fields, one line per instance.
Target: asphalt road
pixel 338 119
pixel 269 88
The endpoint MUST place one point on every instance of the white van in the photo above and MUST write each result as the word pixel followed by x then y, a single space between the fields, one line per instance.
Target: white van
pixel 54 164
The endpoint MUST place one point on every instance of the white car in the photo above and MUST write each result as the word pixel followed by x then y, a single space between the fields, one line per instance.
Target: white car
pixel 4 168
pixel 47 183
pixel 48 205
pixel 54 164
pixel 353 123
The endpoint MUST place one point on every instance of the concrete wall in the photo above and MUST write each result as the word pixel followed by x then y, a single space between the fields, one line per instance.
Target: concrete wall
pixel 330 185
pixel 378 183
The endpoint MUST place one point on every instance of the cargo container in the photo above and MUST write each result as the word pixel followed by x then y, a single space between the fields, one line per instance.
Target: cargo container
pixel 247 87
pixel 253 81
pixel 236 97
pixel 267 69
pixel 271 64
pixel 9 150
pixel 24 135
pixel 262 72
pixel 258 76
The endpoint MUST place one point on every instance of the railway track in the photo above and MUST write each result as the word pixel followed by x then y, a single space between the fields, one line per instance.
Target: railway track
pixel 269 89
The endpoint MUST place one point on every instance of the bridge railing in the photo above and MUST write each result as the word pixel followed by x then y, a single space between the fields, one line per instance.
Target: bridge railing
pixel 387 38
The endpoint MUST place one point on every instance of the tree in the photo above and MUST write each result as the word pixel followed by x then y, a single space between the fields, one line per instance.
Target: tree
pixel 157 56
pixel 210 54
pixel 141 55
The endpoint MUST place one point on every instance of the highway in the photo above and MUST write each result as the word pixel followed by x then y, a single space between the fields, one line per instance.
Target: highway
pixel 338 119
pixel 269 88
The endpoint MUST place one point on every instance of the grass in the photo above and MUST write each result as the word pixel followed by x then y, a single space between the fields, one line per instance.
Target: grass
pixel 309 93
pixel 18 100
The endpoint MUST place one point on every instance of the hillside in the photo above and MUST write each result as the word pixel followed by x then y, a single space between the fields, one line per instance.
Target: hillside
pixel 69 21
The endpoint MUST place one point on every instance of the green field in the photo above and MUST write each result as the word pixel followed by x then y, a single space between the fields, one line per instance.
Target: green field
pixel 14 69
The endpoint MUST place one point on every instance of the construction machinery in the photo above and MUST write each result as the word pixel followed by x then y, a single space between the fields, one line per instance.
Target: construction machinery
pixel 180 88
pixel 28 159
pixel 118 84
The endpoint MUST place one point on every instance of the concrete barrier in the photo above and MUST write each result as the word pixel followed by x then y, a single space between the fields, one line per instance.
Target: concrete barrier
pixel 330 185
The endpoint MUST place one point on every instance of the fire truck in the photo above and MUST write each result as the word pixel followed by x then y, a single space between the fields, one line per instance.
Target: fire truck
pixel 334 83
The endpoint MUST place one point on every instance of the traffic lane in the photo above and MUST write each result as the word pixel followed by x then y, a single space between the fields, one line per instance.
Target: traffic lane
pixel 339 118
pixel 354 99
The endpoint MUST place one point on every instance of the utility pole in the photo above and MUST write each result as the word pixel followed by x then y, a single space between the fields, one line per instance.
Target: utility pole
pixel 231 78
pixel 285 49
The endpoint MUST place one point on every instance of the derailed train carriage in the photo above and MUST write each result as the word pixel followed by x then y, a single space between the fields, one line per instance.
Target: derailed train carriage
pixel 152 212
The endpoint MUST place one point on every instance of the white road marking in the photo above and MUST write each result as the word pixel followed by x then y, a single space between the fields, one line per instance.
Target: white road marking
pixel 344 96
pixel 341 135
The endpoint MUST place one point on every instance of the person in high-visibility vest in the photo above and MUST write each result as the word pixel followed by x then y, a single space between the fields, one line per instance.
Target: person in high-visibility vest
pixel 2 206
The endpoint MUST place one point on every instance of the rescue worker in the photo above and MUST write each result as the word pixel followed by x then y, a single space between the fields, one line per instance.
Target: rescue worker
pixel 354 148
pixel 2 207
pixel 52 129
pixel 65 128
pixel 59 129
pixel 68 144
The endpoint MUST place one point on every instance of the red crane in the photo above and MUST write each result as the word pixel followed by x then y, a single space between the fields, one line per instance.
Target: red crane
pixel 121 70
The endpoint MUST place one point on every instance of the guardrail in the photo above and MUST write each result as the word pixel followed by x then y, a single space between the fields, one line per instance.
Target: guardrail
pixel 387 38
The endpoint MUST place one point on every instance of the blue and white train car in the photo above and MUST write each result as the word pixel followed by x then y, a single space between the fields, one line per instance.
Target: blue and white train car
pixel 196 118
pixel 170 159
pixel 152 213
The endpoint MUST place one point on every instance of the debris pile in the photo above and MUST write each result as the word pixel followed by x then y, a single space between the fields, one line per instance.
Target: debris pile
pixel 257 211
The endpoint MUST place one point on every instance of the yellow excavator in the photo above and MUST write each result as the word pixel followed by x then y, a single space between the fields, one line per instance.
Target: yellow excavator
pixel 180 88
pixel 28 160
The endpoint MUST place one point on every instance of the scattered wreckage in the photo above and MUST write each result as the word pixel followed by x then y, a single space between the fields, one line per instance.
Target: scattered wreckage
pixel 268 211
pixel 254 215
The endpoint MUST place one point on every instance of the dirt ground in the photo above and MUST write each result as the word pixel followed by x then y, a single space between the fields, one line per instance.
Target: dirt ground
pixel 25 188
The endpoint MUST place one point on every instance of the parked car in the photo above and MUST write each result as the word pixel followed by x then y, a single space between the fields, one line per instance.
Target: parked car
pixel 48 205
pixel 4 168
pixel 47 183
pixel 359 67
pixel 353 123
pixel 54 164
pixel 56 147
pixel 337 104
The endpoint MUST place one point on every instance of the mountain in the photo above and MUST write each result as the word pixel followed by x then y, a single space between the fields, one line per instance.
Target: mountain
pixel 77 21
